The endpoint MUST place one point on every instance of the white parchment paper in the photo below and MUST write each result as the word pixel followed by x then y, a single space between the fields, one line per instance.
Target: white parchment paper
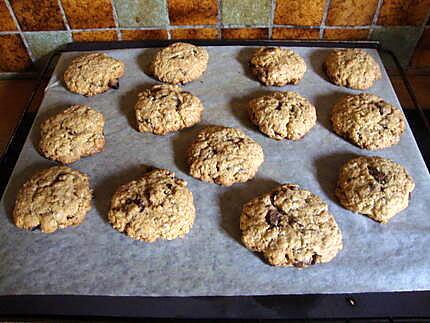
pixel 94 259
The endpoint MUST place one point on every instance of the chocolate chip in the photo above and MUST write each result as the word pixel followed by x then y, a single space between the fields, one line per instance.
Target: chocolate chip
pixel 314 259
pixel 273 217
pixel 114 84
pixel 379 176
pixel 299 264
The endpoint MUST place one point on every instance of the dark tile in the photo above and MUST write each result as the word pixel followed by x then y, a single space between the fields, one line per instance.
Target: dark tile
pixel 299 12
pixel 245 33
pixel 346 34
pixel 14 56
pixel 99 35
pixel 246 12
pixel 136 13
pixel 6 21
pixel 83 14
pixel 421 56
pixel 193 12
pixel 351 12
pixel 403 12
pixel 35 15
pixel 130 34
pixel 295 33
pixel 195 33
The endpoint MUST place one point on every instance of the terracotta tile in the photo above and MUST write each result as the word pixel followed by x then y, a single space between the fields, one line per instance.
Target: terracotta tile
pixel 195 33
pixel 6 22
pixel 295 33
pixel 129 34
pixel 36 15
pixel 99 35
pixel 89 13
pixel 346 34
pixel 245 33
pixel 299 12
pixel 403 12
pixel 351 12
pixel 14 56
pixel 421 56
pixel 193 12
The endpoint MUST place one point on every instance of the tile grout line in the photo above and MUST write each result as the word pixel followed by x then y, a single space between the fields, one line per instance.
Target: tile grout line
pixel 65 20
pixel 219 19
pixel 168 26
pixel 20 32
pixel 116 21
pixel 375 18
pixel 272 18
pixel 324 18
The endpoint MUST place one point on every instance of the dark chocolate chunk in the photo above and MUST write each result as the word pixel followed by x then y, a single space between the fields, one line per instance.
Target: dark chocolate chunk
pixel 114 84
pixel 379 176
pixel 273 217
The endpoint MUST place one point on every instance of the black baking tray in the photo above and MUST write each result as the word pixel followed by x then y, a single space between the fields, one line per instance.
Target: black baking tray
pixel 390 305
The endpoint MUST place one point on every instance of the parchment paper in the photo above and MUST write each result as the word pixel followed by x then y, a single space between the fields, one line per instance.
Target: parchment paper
pixel 94 259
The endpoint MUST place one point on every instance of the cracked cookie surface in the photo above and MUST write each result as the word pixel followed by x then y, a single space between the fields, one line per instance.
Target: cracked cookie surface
pixel 71 134
pixel 179 63
pixel 291 227
pixel 367 121
pixel 353 68
pixel 282 115
pixel 374 186
pixel 167 108
pixel 156 206
pixel 277 66
pixel 93 74
pixel 52 199
pixel 224 156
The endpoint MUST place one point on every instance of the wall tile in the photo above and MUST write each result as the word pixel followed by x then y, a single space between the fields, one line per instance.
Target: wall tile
pixel 6 21
pixel 36 15
pixel 129 34
pixel 248 12
pixel 14 56
pixel 134 13
pixel 99 35
pixel 351 12
pixel 299 12
pixel 193 12
pixel 346 34
pixel 195 33
pixel 403 12
pixel 391 37
pixel 295 33
pixel 43 43
pixel 245 33
pixel 421 56
pixel 83 14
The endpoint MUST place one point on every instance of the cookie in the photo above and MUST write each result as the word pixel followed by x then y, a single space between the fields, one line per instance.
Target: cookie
pixel 179 63
pixel 277 66
pixel 92 74
pixel 353 68
pixel 374 186
pixel 367 121
pixel 224 156
pixel 52 199
pixel 282 115
pixel 167 108
pixel 71 134
pixel 291 227
pixel 156 206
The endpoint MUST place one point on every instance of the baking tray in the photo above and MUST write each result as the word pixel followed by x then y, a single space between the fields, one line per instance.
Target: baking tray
pixel 211 306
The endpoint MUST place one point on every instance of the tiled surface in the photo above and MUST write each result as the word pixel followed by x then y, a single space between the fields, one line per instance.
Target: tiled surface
pixel 195 33
pixel 35 15
pixel 135 13
pixel 44 42
pixel 13 55
pixel 299 12
pixel 105 20
pixel 245 33
pixel 130 34
pixel 83 14
pixel 246 12
pixel 193 12
pixel 351 12
pixel 6 21
pixel 421 57
pixel 403 12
